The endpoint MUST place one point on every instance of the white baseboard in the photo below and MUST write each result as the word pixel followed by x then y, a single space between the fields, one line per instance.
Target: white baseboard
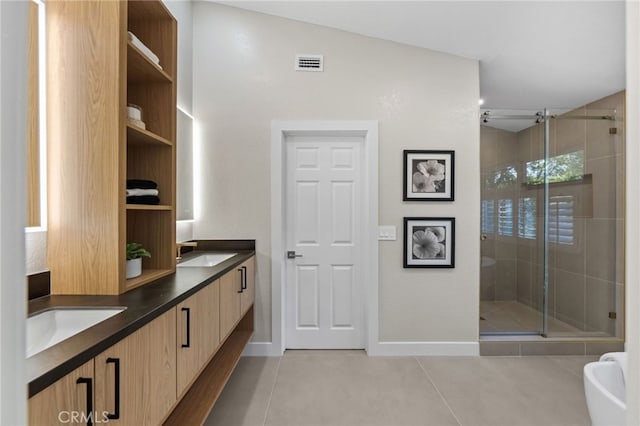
pixel 425 349
pixel 386 349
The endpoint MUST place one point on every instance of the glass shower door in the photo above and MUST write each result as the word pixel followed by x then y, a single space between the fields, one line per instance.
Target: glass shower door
pixel 552 212
pixel 512 254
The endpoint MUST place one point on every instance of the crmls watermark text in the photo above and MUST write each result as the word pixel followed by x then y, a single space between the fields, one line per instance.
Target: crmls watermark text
pixel 71 417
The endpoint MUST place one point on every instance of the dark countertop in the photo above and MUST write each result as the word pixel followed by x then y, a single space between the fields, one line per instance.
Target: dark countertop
pixel 143 305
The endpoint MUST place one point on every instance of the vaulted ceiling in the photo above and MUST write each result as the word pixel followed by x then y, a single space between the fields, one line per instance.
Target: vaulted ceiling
pixel 532 54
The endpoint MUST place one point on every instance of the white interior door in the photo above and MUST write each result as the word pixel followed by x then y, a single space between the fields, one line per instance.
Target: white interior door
pixel 324 289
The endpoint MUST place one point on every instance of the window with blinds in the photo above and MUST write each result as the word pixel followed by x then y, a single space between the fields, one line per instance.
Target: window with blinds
pixel 505 217
pixel 527 218
pixel 561 222
pixel 487 214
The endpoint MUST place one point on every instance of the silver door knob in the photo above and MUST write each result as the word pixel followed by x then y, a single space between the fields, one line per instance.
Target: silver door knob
pixel 483 237
pixel 292 254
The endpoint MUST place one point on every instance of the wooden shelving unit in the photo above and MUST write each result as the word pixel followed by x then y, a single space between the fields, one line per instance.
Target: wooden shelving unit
pixel 148 207
pixel 94 73
pixel 136 135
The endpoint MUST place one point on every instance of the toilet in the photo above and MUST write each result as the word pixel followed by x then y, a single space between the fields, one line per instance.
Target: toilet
pixel 604 388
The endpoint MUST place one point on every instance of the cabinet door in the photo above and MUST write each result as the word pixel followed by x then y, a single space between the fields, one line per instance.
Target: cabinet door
pixel 230 286
pixel 198 331
pixel 136 378
pixel 247 295
pixel 69 400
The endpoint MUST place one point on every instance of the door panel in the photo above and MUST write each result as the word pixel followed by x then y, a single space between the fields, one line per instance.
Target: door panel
pixel 136 377
pixel 66 398
pixel 199 336
pixel 342 296
pixel 248 294
pixel 323 290
pixel 307 296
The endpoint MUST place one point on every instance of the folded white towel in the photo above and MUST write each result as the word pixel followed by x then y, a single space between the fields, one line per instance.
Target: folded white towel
pixel 618 357
pixel 139 192
pixel 144 49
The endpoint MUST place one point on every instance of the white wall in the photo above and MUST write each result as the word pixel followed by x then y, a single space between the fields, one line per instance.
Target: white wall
pixel 244 77
pixel 182 10
pixel 13 126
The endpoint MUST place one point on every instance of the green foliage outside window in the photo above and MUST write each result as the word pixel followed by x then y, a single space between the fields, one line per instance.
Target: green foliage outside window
pixel 561 168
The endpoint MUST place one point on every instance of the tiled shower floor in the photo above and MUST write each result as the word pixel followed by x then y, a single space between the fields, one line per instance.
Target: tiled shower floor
pixel 348 388
pixel 515 317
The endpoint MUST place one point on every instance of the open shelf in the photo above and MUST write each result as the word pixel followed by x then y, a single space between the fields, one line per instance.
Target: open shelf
pixel 138 136
pixel 148 207
pixel 147 276
pixel 142 69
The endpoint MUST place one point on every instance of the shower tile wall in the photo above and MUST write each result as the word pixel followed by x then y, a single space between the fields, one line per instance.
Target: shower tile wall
pixel 585 277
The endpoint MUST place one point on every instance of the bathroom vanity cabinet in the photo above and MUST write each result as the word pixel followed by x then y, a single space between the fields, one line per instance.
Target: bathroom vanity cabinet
pixel 248 285
pixel 172 369
pixel 136 377
pixel 93 72
pixel 236 295
pixel 132 382
pixel 69 396
pixel 198 333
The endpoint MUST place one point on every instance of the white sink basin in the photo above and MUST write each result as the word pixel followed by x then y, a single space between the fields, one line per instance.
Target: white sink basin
pixel 207 260
pixel 55 325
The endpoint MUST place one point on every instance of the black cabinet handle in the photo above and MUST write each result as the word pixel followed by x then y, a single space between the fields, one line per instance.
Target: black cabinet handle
pixel 116 384
pixel 244 278
pixel 188 311
pixel 241 280
pixel 89 382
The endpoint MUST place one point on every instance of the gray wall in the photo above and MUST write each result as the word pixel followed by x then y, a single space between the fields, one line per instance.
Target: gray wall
pixel 244 78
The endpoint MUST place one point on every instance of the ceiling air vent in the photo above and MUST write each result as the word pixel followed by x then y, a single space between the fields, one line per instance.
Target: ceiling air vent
pixel 309 63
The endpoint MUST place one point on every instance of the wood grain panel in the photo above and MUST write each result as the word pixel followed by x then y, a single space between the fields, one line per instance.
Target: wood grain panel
pixel 142 69
pixel 147 373
pixel 145 9
pixel 247 296
pixel 33 121
pixel 229 302
pixel 160 35
pixel 153 229
pixel 85 108
pixel 203 333
pixel 137 136
pixel 54 405
pixel 155 100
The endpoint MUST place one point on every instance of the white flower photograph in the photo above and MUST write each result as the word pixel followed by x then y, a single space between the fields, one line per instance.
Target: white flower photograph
pixel 428 175
pixel 429 242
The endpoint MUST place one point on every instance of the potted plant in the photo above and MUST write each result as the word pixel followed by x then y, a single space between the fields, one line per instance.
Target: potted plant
pixel 135 253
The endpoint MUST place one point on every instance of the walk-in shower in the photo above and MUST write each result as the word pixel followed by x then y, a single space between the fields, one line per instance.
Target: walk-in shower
pixel 552 212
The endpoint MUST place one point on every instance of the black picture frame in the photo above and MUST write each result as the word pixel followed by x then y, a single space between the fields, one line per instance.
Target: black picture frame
pixel 428 175
pixel 429 242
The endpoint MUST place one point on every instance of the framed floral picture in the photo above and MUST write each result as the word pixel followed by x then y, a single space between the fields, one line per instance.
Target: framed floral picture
pixel 428 175
pixel 429 242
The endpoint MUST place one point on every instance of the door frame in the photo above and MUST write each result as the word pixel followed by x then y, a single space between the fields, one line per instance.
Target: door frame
pixel 280 131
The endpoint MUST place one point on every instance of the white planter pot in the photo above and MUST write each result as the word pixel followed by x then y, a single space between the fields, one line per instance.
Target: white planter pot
pixel 134 268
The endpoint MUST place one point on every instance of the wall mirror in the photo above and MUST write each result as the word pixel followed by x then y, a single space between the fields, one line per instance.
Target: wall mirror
pixel 184 160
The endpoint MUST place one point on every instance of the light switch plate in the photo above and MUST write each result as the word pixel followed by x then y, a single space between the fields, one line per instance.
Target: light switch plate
pixel 386 233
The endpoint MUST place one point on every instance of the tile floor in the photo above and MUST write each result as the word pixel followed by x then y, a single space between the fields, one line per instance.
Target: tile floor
pixel 512 316
pixel 349 388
